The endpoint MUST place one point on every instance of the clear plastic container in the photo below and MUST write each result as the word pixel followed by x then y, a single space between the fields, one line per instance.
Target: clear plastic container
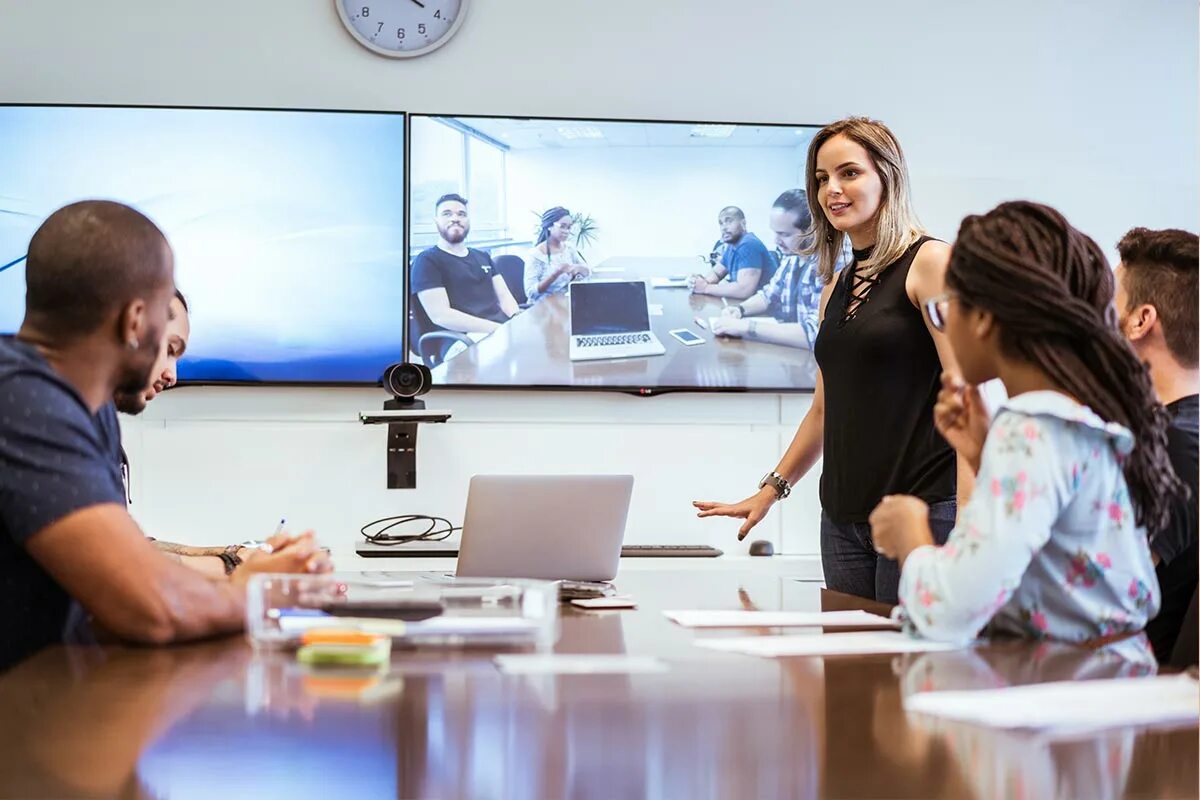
pixel 415 610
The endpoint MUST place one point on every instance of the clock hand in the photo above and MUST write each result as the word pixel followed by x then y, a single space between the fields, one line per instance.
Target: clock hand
pixel 418 2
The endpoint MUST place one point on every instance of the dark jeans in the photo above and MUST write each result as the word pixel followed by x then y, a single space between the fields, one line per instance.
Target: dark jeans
pixel 851 564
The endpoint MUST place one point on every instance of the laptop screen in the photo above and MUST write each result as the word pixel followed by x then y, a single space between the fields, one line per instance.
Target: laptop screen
pixel 609 307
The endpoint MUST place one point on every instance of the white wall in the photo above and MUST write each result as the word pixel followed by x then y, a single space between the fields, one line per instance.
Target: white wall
pixel 650 201
pixel 1088 105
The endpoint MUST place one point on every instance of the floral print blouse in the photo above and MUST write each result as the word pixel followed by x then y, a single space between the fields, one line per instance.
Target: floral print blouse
pixel 1047 547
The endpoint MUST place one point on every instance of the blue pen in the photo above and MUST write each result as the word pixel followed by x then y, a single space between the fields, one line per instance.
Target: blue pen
pixel 279 530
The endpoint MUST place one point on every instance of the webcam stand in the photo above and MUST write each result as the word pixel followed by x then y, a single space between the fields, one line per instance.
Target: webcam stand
pixel 401 417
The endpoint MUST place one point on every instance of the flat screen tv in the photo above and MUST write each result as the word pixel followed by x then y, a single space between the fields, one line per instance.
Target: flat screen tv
pixel 648 205
pixel 287 226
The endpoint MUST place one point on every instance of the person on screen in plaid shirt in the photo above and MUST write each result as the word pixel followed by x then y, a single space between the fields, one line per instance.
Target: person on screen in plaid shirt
pixel 787 310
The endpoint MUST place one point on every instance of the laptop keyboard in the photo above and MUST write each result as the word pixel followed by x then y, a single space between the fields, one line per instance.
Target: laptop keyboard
pixel 608 340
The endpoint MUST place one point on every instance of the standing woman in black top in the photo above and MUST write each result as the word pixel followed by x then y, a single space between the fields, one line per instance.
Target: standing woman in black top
pixel 880 362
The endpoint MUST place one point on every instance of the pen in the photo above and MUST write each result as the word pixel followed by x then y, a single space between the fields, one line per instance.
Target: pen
pixel 701 323
pixel 724 302
pixel 279 530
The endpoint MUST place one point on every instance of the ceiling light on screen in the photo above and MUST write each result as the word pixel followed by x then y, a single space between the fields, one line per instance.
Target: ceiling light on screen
pixel 713 131
pixel 580 132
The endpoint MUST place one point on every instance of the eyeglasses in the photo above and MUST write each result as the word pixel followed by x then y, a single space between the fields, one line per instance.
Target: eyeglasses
pixel 936 308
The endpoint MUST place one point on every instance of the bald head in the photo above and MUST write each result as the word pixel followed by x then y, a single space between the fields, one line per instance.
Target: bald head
pixel 87 262
pixel 733 224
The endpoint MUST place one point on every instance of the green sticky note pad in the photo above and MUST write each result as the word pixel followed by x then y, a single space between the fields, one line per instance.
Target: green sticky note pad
pixel 344 655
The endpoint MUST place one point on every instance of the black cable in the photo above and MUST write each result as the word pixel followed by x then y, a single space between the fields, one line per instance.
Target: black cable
pixel 432 533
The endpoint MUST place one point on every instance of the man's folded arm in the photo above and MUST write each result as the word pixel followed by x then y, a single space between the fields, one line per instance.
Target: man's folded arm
pixel 102 559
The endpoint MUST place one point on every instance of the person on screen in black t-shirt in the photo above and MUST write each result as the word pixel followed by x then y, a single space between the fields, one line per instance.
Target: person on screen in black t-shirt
pixel 458 286
pixel 1156 296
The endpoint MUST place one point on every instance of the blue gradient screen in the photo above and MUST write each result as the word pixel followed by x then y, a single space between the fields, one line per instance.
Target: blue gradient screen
pixel 287 226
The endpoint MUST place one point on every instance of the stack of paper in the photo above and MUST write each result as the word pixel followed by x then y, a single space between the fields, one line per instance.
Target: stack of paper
pixel 779 619
pixel 1070 706
pixel 827 644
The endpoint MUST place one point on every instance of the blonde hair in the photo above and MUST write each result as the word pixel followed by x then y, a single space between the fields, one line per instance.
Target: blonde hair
pixel 896 224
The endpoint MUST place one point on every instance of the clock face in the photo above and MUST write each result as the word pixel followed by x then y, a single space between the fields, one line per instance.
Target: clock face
pixel 401 28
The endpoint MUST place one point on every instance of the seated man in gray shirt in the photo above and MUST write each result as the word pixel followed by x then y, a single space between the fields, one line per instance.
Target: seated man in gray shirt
pixel 99 279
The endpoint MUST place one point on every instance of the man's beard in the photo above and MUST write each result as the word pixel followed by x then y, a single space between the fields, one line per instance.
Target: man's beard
pixel 132 403
pixel 136 372
pixel 454 234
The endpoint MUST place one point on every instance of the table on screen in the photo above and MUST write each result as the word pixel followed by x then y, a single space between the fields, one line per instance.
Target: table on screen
pixel 532 349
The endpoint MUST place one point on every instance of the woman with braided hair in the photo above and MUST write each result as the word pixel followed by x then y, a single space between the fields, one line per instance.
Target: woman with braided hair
pixel 553 263
pixel 1073 470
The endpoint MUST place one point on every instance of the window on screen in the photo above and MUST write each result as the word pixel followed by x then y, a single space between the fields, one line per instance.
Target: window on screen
pixel 448 158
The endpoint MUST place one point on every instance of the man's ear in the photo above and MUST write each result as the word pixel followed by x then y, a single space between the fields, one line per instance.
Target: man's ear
pixel 132 324
pixel 1139 322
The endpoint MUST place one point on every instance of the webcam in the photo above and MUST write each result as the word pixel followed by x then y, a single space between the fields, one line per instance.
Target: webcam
pixel 406 382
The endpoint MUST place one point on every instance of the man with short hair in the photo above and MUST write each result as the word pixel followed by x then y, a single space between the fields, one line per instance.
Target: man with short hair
pixel 745 264
pixel 1156 296
pixel 790 303
pixel 99 281
pixel 458 286
pixel 216 562
pixel 164 374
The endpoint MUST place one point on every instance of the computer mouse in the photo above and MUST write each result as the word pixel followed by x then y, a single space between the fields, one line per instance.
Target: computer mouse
pixel 761 547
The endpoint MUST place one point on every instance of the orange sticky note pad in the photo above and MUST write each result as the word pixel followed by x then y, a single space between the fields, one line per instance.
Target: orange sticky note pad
pixel 340 636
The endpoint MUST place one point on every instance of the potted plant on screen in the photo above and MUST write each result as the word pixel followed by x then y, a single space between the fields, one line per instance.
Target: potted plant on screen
pixel 583 229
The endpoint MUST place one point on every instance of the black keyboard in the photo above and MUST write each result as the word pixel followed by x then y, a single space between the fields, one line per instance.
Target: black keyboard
pixel 613 339
pixel 669 551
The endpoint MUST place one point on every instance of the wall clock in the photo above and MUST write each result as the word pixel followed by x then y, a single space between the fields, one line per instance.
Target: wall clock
pixel 401 28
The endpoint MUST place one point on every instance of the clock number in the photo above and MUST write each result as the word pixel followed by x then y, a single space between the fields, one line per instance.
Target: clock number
pixel 437 14
pixel 377 30
pixel 421 29
pixel 400 33
pixel 366 11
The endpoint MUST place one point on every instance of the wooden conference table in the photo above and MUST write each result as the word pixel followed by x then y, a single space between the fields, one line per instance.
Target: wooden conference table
pixel 532 348
pixel 219 720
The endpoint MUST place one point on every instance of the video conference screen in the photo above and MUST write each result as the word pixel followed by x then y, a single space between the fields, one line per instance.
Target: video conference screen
pixel 287 226
pixel 509 215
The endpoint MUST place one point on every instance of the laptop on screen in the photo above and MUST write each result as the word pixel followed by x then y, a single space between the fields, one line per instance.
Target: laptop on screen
pixel 611 319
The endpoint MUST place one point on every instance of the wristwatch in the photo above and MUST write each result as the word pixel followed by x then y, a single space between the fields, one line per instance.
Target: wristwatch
pixel 230 558
pixel 778 483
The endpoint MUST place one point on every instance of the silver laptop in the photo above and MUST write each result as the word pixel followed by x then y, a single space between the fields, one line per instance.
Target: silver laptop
pixel 611 319
pixel 556 527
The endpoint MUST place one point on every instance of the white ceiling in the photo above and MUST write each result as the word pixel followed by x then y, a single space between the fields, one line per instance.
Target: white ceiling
pixel 529 134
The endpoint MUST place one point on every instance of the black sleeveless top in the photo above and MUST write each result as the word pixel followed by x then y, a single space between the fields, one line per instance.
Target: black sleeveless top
pixel 882 375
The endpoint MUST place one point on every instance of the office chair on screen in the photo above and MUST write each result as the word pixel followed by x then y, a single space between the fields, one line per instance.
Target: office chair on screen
pixel 428 341
pixel 512 269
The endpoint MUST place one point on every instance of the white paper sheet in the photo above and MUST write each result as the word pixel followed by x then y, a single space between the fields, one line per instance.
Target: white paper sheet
pixel 779 619
pixel 545 664
pixel 606 270
pixel 1070 706
pixel 826 644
